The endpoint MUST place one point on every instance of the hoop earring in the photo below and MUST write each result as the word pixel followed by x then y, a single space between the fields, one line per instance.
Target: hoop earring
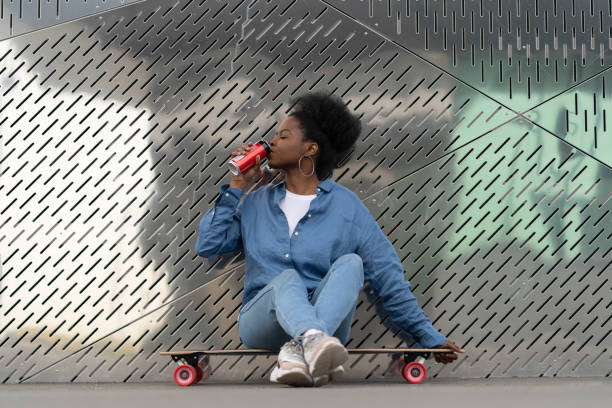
pixel 300 166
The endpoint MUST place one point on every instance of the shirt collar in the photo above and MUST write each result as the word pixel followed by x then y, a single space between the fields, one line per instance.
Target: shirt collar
pixel 326 185
pixel 280 191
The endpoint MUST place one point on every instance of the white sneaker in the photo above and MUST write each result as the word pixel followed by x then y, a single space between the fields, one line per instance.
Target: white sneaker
pixel 291 367
pixel 322 353
pixel 320 381
pixel 336 374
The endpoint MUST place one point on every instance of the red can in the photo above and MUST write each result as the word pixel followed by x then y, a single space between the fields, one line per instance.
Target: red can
pixel 240 164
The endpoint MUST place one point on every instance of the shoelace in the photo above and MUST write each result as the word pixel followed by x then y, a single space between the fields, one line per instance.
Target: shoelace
pixel 294 347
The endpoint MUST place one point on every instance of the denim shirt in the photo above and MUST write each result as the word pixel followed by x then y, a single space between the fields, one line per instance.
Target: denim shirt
pixel 336 223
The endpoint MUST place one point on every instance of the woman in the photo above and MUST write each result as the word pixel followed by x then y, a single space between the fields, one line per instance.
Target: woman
pixel 309 244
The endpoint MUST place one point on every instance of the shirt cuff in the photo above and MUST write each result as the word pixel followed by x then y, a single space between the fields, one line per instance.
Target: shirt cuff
pixel 430 338
pixel 229 196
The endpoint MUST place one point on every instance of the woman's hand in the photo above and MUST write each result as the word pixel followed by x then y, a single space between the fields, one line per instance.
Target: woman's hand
pixel 449 357
pixel 246 179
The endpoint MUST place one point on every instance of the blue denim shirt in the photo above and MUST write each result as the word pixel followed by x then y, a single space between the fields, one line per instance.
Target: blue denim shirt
pixel 336 223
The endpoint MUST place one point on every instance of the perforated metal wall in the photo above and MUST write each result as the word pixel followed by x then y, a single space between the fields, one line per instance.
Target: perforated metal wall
pixel 23 16
pixel 485 158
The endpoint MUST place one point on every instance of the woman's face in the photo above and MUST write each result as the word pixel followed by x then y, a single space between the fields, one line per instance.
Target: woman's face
pixel 287 145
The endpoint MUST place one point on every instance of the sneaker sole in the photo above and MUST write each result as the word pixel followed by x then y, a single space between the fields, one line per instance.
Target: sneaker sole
pixel 320 381
pixel 336 375
pixel 331 355
pixel 295 377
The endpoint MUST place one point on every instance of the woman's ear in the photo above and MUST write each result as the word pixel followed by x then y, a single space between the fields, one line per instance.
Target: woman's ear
pixel 313 149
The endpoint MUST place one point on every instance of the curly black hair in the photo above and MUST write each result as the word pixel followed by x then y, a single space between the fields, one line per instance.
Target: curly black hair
pixel 325 119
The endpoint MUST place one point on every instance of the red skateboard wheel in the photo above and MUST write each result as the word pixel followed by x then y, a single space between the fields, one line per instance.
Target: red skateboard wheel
pixel 414 372
pixel 204 370
pixel 185 375
pixel 199 375
pixel 396 367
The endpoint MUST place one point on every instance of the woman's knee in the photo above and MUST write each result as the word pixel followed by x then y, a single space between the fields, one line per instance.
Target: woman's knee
pixel 262 339
pixel 356 265
pixel 286 277
pixel 260 330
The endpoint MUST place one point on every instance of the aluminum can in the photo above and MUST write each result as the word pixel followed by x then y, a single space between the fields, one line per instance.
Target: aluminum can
pixel 240 164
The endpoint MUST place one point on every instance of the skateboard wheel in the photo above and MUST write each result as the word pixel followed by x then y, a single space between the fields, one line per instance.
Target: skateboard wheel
pixel 397 367
pixel 185 375
pixel 205 369
pixel 199 375
pixel 414 372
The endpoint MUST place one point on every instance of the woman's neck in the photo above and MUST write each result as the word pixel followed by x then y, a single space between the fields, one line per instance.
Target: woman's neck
pixel 297 183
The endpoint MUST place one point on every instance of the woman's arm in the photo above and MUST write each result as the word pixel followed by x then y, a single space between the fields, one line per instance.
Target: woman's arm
pixel 220 226
pixel 383 268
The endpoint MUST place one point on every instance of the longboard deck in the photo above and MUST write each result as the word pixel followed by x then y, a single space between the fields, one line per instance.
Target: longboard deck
pixel 270 352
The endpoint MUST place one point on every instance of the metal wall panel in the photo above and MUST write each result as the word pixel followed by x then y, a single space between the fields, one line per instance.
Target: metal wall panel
pixel 519 53
pixel 24 16
pixel 114 133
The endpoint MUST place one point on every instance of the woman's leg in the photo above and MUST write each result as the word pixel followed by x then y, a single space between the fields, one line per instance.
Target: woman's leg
pixel 279 312
pixel 343 332
pixel 336 297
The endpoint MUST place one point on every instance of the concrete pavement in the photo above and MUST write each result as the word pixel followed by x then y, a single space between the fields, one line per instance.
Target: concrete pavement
pixel 497 393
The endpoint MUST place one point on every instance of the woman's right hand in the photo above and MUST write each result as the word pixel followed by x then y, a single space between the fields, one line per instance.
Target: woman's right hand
pixel 246 179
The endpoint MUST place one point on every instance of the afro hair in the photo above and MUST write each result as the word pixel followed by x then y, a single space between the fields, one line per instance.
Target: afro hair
pixel 325 119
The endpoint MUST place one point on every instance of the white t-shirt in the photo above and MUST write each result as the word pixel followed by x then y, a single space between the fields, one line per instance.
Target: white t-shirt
pixel 295 207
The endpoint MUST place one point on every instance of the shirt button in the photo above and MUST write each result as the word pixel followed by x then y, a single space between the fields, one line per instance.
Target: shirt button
pixel 308 215
pixel 227 194
pixel 286 255
pixel 296 233
pixel 318 189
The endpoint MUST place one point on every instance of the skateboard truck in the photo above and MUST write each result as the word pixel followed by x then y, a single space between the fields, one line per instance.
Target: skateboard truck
pixel 191 359
pixel 418 357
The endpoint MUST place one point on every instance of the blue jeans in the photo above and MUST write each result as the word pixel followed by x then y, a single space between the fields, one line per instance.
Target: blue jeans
pixel 284 309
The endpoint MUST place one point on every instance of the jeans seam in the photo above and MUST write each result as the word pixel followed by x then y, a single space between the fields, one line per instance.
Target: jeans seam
pixel 326 279
pixel 278 312
pixel 284 320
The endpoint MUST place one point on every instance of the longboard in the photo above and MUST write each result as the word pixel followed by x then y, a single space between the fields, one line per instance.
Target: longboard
pixel 194 364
